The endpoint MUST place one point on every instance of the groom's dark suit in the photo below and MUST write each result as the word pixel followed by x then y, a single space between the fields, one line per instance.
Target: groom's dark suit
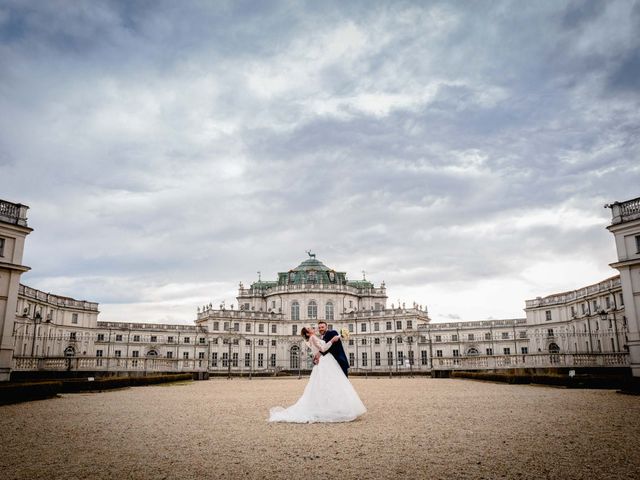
pixel 337 351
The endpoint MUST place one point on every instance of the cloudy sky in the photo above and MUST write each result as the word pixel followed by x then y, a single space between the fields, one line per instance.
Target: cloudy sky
pixel 461 152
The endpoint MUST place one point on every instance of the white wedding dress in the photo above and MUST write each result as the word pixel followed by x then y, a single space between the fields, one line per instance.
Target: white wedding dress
pixel 328 397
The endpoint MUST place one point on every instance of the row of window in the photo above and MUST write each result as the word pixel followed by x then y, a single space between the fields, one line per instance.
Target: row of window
pixel 487 336
pixel 609 302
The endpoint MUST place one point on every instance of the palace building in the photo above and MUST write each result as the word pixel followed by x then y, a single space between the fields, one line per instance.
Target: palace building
pixel 260 334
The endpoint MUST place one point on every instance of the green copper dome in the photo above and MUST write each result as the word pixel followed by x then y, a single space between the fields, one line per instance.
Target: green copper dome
pixel 312 271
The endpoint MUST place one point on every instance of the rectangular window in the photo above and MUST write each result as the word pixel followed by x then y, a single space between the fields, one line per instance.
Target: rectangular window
pixel 236 327
pixel 523 334
pixel 185 355
pixel 456 352
pixel 72 336
pixel 377 307
pixel 245 306
pixel 363 327
pixel 376 326
pixel 98 353
pixel 247 327
pixel 214 359
pixel 637 243
pixel 401 358
pixel 294 329
pixel 274 328
pixel 273 343
pixel 524 350
pixel 273 359
pixel 595 306
pixel 376 341
pixel 607 302
pixel 487 336
pixel 454 338
pixel 438 338
pixel 351 341
pixel 621 300
pixel 489 351
pixel 364 359
pixel 505 335
pixel 154 338
pixel 352 359
pixel 261 343
pixel 234 359
pixel 247 359
pixel 261 360
pixel 547 315
pixel 247 343
pixel 74 318
pixel 101 337
pixel 169 354
pixel 225 327
pixel 202 340
pixel 388 326
pixel 170 339
pixel 573 311
pixel 584 308
pixel 377 359
pixel 506 351
pixel 398 339
pixel 470 337
pixel 216 326
pixel 273 304
pixel 364 341
pixel 389 359
pixel 398 324
pixel 550 332
pixel 136 338
pixel 351 328
pixel 118 353
pixel 225 359
pixel 261 327
pixel 423 357
pixel 389 340
pixel 201 355
pixel 135 354
pixel 409 323
pixel 2 242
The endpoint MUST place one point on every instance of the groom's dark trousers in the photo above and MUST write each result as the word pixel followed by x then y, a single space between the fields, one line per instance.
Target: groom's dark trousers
pixel 337 351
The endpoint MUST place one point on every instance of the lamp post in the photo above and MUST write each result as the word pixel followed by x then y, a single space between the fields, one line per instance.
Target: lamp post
pixel 37 318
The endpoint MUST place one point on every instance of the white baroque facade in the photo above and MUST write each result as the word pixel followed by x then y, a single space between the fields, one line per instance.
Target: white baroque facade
pixel 260 334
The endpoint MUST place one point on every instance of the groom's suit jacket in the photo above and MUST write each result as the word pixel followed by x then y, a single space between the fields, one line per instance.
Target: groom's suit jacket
pixel 337 351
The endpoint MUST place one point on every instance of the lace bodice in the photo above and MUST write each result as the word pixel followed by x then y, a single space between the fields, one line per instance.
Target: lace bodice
pixel 318 345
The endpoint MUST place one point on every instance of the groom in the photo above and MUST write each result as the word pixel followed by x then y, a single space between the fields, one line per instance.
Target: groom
pixel 336 349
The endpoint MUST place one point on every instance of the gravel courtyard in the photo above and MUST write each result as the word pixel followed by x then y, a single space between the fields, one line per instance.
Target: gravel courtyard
pixel 414 428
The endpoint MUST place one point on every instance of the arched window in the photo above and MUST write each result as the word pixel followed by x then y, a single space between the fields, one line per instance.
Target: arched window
pixel 294 357
pixel 312 310
pixel 328 311
pixel 472 352
pixel 69 351
pixel 554 348
pixel 295 311
pixel 152 353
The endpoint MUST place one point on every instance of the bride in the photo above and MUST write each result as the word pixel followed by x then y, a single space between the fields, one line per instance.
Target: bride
pixel 328 397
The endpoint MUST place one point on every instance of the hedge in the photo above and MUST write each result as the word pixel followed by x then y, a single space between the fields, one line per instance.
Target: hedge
pixel 107 383
pixel 22 392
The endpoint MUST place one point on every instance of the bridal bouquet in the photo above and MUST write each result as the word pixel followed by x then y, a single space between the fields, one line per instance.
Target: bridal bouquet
pixel 344 333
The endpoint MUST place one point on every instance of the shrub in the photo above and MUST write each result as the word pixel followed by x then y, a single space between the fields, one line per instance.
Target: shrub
pixel 23 392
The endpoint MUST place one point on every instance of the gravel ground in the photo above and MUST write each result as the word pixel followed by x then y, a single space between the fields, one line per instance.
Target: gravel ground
pixel 414 428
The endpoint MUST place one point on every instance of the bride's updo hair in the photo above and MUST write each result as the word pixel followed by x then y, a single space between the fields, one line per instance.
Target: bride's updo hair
pixel 305 333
